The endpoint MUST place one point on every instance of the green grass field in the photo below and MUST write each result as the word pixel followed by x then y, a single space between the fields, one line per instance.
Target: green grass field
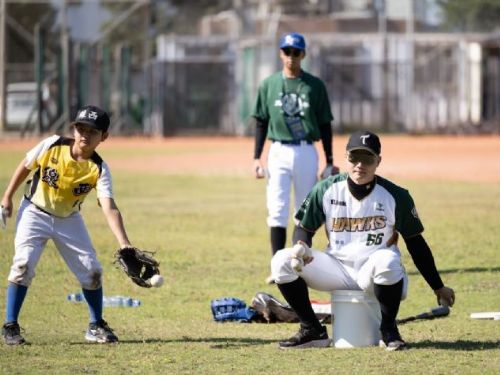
pixel 211 238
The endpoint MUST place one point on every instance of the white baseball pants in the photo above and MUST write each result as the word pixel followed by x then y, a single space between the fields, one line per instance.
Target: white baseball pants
pixel 287 164
pixel 34 228
pixel 327 273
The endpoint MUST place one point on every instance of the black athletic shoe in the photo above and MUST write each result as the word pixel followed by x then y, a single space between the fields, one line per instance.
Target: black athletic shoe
pixel 12 334
pixel 100 332
pixel 391 340
pixel 307 338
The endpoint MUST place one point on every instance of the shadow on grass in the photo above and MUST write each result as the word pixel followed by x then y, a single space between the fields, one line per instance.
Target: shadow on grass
pixel 463 270
pixel 215 342
pixel 237 343
pixel 456 345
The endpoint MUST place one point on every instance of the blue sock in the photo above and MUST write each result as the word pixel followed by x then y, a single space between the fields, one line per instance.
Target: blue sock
pixel 15 299
pixel 94 300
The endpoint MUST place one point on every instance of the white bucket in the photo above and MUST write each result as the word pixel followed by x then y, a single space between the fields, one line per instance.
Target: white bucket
pixel 356 319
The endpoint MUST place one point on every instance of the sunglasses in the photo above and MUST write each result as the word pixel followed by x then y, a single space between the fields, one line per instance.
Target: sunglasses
pixel 292 52
pixel 366 159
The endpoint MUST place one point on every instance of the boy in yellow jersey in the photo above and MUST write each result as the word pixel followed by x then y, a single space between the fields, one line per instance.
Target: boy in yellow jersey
pixel 65 171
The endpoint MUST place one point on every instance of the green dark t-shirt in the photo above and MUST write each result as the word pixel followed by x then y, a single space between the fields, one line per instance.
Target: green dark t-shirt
pixel 304 98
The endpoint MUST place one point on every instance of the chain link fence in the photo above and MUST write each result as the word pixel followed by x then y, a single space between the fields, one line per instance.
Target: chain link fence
pixel 429 83
pixel 424 84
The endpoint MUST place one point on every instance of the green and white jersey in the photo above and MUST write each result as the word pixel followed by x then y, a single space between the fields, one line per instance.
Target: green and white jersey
pixel 358 228
pixel 304 98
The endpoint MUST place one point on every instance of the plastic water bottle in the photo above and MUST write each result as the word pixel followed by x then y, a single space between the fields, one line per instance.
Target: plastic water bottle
pixel 120 301
pixel 76 297
pixel 111 301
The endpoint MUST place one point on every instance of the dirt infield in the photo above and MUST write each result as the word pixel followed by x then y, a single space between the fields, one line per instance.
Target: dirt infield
pixel 447 158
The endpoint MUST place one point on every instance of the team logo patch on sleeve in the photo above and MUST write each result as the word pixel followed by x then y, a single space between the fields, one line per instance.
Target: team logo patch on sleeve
pixel 414 212
pixel 306 202
pixel 50 176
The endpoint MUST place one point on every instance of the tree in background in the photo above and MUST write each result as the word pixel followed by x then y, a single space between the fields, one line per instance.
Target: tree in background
pixel 470 15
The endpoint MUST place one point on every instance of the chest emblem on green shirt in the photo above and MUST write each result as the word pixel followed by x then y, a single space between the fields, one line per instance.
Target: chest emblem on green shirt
pixel 292 104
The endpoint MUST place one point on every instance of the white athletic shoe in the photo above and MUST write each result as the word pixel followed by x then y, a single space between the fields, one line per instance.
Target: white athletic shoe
pixel 100 332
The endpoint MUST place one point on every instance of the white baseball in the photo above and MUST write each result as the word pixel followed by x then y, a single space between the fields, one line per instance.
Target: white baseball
pixel 261 172
pixel 156 281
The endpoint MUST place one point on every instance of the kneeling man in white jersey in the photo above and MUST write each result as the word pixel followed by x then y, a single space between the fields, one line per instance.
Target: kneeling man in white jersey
pixel 363 215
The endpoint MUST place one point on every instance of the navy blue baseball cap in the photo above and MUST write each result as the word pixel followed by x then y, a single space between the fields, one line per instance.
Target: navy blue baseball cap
pixel 364 140
pixel 293 40
pixel 93 116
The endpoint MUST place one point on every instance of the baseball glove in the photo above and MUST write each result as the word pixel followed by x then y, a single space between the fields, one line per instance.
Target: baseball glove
pixel 139 265
pixel 274 311
pixel 232 309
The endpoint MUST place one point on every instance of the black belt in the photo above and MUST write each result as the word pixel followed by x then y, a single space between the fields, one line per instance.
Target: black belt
pixel 38 208
pixel 295 142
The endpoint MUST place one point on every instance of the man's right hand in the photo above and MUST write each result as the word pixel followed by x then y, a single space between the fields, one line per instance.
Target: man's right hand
pixel 258 169
pixel 445 296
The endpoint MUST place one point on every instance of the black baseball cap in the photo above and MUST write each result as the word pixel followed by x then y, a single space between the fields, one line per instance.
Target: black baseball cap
pixel 364 140
pixel 93 116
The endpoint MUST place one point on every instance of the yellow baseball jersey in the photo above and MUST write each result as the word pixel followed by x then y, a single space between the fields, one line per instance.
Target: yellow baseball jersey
pixel 60 184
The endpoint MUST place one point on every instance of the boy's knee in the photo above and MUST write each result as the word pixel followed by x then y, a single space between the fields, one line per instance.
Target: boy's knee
pixel 92 281
pixel 91 277
pixel 22 274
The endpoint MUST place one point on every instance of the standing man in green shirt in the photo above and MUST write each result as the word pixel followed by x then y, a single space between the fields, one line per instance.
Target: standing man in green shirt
pixel 292 110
